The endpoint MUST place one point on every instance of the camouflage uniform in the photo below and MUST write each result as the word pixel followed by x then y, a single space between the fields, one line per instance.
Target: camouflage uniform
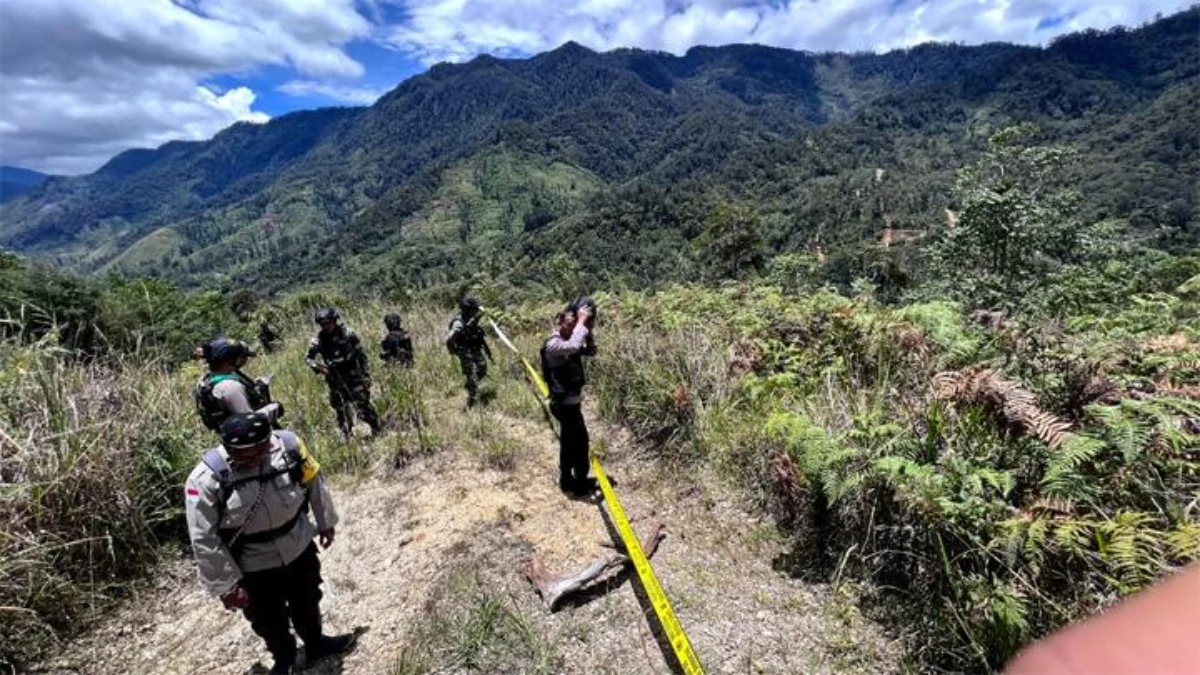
pixel 466 341
pixel 346 374
pixel 397 346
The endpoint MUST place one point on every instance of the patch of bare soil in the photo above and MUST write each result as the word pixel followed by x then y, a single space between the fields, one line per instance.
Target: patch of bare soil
pixel 428 559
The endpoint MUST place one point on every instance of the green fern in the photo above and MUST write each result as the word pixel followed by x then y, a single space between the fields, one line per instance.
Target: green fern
pixel 1064 477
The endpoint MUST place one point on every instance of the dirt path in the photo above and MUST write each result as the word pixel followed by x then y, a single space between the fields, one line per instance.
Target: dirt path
pixel 427 561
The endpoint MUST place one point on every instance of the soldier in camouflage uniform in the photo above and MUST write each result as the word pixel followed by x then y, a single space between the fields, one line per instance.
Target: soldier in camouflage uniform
pixel 466 340
pixel 343 362
pixel 397 346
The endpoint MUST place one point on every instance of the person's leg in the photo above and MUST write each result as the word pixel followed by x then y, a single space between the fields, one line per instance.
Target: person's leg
pixel 268 613
pixel 337 399
pixel 468 369
pixel 304 596
pixel 366 411
pixel 565 482
pixel 576 451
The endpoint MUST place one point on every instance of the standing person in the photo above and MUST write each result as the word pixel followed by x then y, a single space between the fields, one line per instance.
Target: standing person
pixel 247 504
pixel 267 337
pixel 225 390
pixel 397 346
pixel 563 368
pixel 343 362
pixel 467 341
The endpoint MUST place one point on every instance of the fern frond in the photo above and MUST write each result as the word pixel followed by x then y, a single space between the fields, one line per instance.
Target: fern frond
pixel 1015 404
pixel 1063 478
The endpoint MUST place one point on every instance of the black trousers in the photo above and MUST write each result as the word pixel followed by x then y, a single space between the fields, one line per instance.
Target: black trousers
pixel 289 593
pixel 347 392
pixel 572 444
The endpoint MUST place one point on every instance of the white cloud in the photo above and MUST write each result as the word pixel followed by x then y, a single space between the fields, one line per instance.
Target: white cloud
pixel 455 30
pixel 81 80
pixel 332 92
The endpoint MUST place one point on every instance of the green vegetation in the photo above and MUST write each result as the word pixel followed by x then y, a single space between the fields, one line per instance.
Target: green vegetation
pixel 957 360
pixel 635 165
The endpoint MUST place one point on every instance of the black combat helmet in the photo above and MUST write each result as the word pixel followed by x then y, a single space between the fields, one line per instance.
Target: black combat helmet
pixel 469 306
pixel 392 321
pixel 223 350
pixel 245 430
pixel 327 315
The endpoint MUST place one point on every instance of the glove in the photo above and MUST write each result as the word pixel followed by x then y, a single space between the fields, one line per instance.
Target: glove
pixel 237 598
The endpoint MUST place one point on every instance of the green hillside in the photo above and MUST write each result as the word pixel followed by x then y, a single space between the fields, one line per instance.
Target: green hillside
pixel 821 151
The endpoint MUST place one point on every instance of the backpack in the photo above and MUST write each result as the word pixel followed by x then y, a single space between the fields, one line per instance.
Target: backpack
pixel 212 415
pixel 221 471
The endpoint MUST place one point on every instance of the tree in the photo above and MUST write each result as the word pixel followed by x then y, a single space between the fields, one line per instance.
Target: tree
pixel 1016 225
pixel 732 243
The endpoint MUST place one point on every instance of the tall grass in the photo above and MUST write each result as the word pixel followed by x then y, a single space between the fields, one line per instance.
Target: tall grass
pixel 92 457
pixel 93 453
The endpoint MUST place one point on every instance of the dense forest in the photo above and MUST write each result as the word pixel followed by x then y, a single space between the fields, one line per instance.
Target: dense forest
pixel 627 160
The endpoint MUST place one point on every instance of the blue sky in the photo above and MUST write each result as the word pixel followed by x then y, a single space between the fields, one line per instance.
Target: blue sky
pixel 82 80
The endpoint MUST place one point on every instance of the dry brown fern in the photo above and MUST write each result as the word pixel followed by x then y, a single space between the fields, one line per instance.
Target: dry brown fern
pixel 1017 405
pixel 747 355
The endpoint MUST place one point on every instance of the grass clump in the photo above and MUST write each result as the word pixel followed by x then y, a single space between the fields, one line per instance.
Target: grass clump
pixel 469 628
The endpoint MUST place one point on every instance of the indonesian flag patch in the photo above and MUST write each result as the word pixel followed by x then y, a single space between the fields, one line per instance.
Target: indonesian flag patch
pixel 193 493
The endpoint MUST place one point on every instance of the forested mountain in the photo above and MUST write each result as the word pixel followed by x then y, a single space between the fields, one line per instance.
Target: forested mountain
pixel 15 181
pixel 633 166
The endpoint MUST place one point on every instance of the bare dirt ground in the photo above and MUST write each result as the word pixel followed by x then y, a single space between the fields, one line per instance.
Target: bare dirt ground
pixel 427 567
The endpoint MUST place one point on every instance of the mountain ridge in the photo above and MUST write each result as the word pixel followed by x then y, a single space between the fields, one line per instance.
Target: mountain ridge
pixel 335 176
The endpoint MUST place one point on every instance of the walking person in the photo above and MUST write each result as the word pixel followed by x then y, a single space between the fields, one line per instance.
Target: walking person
pixel 225 390
pixel 397 346
pixel 337 354
pixel 467 341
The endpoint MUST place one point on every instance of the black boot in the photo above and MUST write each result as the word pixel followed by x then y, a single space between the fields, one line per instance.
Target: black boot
pixel 329 646
pixel 283 666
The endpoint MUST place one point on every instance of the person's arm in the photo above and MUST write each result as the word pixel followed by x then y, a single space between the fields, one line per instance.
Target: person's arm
pixel 452 335
pixel 1154 631
pixel 232 396
pixel 558 347
pixel 311 358
pixel 218 571
pixel 319 498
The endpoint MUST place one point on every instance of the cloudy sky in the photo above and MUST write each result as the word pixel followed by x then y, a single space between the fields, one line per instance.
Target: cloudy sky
pixel 81 80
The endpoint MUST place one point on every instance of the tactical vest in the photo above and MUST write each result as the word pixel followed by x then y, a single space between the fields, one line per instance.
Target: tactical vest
pixel 470 337
pixel 566 379
pixel 340 351
pixel 396 346
pixel 233 538
pixel 209 407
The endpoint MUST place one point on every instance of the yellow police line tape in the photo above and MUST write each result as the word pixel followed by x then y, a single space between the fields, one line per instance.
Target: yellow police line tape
pixel 662 607
pixel 677 638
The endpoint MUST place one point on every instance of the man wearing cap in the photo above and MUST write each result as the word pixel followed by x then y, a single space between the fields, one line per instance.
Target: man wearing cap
pixel 225 390
pixel 562 367
pixel 248 503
